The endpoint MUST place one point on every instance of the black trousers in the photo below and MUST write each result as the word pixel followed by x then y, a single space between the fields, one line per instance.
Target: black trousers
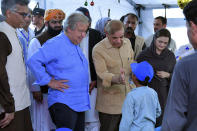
pixel 64 117
pixel 109 122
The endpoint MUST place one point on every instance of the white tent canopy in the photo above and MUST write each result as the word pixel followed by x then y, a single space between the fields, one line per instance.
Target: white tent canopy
pixel 154 3
pixel 117 8
pixel 100 8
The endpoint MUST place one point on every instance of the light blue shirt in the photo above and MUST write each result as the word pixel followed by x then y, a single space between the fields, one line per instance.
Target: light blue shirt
pixel 63 60
pixel 140 110
pixel 24 38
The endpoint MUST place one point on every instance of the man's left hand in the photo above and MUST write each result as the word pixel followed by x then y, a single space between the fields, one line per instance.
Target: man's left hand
pixel 7 119
pixel 163 74
pixel 58 84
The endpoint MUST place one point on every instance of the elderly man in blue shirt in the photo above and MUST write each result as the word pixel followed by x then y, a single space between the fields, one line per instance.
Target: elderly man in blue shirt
pixel 61 64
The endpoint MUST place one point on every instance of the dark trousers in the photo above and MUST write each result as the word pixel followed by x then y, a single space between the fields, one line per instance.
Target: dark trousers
pixel 64 117
pixel 21 122
pixel 109 122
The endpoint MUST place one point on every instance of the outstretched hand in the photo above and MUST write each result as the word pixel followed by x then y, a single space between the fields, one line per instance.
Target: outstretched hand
pixel 119 79
pixel 58 84
pixel 122 76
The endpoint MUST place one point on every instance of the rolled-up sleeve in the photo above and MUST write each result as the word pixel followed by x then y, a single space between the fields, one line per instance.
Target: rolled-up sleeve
pixel 101 68
pixel 38 61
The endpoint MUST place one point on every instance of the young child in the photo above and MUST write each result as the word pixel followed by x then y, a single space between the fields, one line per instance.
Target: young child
pixel 141 106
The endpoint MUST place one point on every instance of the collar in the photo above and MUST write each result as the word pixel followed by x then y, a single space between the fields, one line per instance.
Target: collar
pixel 133 37
pixel 63 34
pixel 8 27
pixel 23 30
pixel 39 31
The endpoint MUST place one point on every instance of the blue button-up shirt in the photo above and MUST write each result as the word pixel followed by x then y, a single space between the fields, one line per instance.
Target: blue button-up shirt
pixel 63 60
pixel 140 109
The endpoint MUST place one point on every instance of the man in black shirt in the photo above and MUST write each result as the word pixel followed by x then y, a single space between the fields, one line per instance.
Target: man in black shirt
pixel 130 21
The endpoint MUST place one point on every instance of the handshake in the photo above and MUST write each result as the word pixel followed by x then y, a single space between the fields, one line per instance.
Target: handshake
pixel 120 79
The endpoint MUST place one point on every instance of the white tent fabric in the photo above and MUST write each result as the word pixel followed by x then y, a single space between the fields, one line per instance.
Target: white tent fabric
pixel 147 20
pixel 155 2
pixel 176 24
pixel 100 8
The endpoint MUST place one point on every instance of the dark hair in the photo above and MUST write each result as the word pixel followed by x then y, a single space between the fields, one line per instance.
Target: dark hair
pixel 131 14
pixel 10 4
pixel 85 12
pixel 162 32
pixel 163 19
pixel 190 11
pixel 145 82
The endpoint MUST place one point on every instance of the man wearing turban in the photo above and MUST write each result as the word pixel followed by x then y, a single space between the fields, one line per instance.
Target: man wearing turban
pixel 53 23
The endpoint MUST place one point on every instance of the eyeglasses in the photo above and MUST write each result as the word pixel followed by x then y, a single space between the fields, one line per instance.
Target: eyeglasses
pixel 23 14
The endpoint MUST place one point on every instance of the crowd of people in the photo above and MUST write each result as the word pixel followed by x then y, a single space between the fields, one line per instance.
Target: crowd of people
pixel 71 77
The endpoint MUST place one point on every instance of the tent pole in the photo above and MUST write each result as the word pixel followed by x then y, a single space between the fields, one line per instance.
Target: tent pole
pixel 138 8
pixel 165 7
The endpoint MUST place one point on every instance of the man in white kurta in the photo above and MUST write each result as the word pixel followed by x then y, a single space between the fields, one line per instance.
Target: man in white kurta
pixel 92 38
pixel 14 93
pixel 91 116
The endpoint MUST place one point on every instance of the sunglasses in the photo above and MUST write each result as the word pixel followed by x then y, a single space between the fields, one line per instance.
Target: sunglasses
pixel 23 14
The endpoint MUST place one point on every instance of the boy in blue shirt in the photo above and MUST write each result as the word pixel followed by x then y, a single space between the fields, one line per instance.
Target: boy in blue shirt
pixel 141 106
